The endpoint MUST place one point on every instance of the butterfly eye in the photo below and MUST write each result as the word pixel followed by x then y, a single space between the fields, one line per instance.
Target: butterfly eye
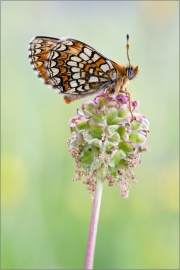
pixel 129 72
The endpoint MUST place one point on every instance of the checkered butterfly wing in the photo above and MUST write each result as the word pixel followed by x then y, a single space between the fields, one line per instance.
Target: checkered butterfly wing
pixel 71 67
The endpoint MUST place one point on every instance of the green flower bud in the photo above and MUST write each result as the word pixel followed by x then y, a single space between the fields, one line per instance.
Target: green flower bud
pixel 107 142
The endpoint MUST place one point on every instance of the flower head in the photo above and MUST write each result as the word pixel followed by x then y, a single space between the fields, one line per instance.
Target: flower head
pixel 106 142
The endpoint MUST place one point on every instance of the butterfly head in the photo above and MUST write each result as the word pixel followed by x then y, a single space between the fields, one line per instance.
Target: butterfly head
pixel 131 72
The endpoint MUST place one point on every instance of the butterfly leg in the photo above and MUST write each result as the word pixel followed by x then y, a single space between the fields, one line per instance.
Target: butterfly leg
pixel 120 87
pixel 109 89
pixel 129 98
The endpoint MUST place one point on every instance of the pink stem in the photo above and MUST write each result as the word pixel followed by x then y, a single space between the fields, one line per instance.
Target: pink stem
pixel 93 225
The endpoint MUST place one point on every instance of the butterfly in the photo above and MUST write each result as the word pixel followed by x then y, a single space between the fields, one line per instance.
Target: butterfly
pixel 75 69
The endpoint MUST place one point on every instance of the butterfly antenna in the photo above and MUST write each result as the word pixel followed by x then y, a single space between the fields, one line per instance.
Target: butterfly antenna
pixel 127 48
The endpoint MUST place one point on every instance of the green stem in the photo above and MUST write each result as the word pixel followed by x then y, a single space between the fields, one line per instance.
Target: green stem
pixel 93 225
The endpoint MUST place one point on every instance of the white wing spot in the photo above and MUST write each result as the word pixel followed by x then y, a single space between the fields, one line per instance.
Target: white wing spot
pixel 76 59
pixel 103 79
pixel 113 75
pixel 54 71
pixel 60 47
pixel 93 79
pixel 81 65
pixel 37 45
pixel 104 67
pixel 35 58
pixel 52 63
pixel 75 69
pixel 57 80
pixel 95 57
pixel 84 56
pixel 83 74
pixel 91 70
pixel 86 87
pixel 76 76
pixel 54 55
pixel 72 63
pixel 110 64
pixel 81 81
pixel 80 89
pixel 73 84
pixel 87 51
pixel 72 90
pixel 68 42
pixel 36 51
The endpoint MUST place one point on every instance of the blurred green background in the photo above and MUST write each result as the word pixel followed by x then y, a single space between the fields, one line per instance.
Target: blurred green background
pixel 45 216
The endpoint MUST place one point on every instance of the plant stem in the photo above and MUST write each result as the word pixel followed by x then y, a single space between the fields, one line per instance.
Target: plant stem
pixel 93 225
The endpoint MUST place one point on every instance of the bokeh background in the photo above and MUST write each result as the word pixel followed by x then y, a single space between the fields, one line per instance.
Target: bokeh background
pixel 45 216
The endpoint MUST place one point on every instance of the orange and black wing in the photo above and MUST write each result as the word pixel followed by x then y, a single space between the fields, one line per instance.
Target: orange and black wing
pixel 71 67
